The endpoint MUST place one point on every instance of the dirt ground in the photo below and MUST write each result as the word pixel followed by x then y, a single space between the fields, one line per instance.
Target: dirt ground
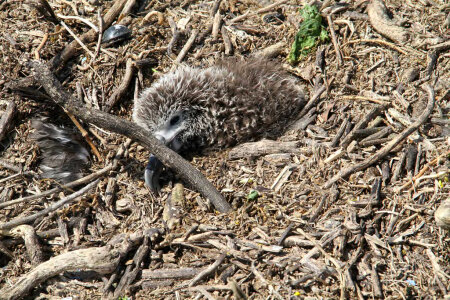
pixel 297 229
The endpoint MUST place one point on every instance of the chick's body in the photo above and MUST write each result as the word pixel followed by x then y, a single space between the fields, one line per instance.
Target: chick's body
pixel 231 102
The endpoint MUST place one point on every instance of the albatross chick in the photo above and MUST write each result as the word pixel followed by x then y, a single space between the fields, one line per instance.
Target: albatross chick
pixel 191 109
pixel 234 101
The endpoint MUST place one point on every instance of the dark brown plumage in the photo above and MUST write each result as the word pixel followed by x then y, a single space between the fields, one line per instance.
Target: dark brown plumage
pixel 231 102
pixel 63 157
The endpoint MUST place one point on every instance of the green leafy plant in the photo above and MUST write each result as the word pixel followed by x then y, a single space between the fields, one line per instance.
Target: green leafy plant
pixel 309 35
pixel 253 195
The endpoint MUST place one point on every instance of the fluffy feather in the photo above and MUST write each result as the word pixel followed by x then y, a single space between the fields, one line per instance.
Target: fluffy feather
pixel 63 157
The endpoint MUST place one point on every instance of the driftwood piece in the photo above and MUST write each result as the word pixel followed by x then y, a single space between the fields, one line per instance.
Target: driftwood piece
pixel 104 120
pixel 387 148
pixel 133 269
pixel 173 208
pixel 208 271
pixel 263 147
pixel 380 20
pixel 98 259
pixel 6 119
pixel 164 274
pixel 187 46
pixel 340 132
pixel 123 87
pixel 272 51
pixel 34 248
pixel 361 124
pixel 311 103
pixel 226 41
pixel 216 25
pixel 307 119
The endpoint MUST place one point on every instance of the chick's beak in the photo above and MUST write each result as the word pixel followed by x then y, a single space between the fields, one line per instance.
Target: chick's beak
pixel 155 166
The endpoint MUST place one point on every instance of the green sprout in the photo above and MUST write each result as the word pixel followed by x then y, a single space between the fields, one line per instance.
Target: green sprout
pixel 253 195
pixel 309 35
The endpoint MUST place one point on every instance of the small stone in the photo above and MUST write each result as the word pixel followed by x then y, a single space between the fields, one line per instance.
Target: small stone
pixel 442 215
pixel 123 205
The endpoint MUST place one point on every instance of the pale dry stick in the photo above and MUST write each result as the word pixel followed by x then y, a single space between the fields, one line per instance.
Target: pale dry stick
pixel 432 176
pixel 123 87
pixel 226 41
pixel 174 39
pixel 364 98
pixel 77 39
pixel 214 8
pixel 86 21
pixel 216 25
pixel 11 177
pixel 377 41
pixel 217 287
pixel 337 47
pixel 330 258
pixel 127 9
pixel 422 171
pixel 41 45
pixel 375 65
pixel 208 270
pixel 100 34
pixel 19 221
pixel 272 51
pixel 259 11
pixel 441 47
pixel 388 147
pixel 187 46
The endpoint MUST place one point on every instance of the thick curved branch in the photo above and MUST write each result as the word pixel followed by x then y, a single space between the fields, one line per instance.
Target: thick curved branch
pixel 388 147
pixel 102 260
pixel 194 177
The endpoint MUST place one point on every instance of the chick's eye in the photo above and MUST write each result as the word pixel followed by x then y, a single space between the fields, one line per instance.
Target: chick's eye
pixel 175 120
